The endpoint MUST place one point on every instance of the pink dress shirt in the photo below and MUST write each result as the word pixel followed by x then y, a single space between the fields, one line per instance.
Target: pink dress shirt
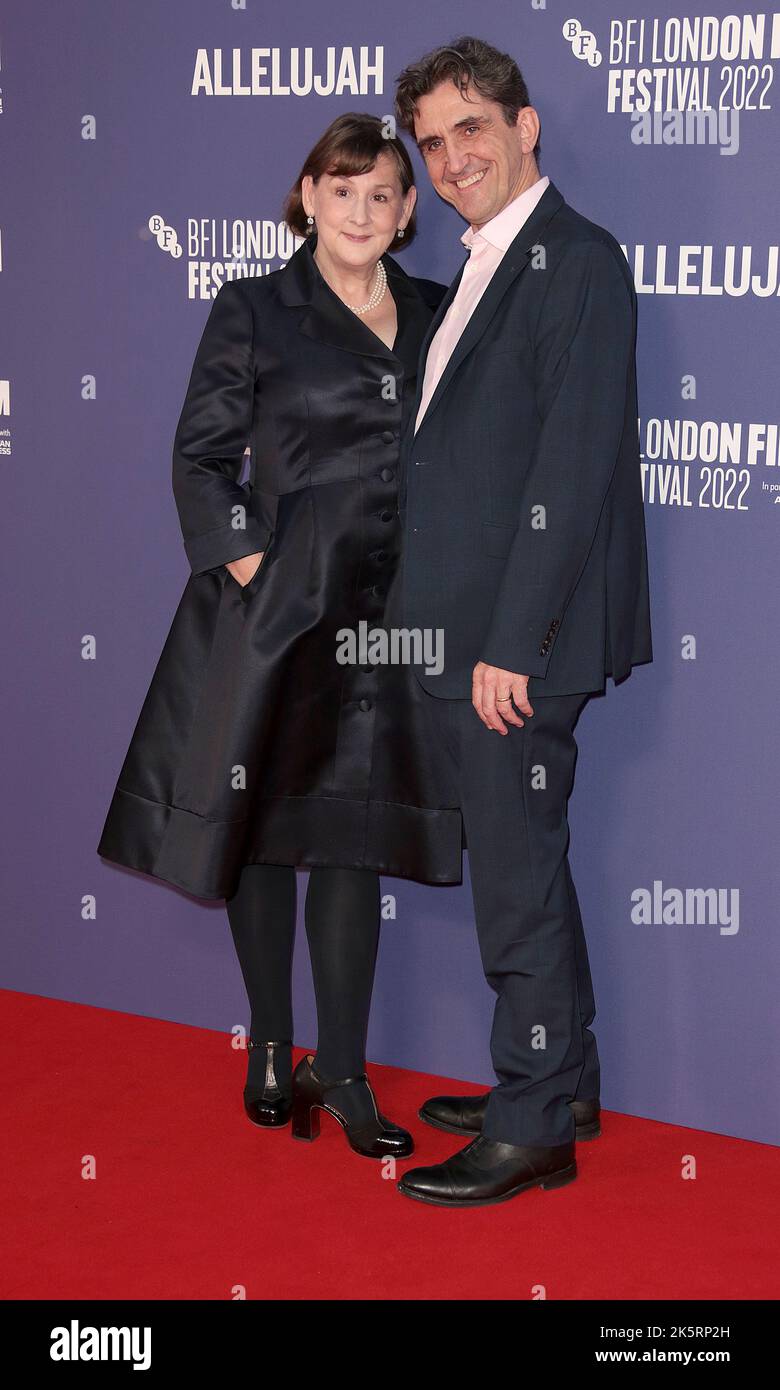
pixel 487 247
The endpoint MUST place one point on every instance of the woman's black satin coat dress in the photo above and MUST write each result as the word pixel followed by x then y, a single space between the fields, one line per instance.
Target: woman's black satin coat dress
pixel 254 745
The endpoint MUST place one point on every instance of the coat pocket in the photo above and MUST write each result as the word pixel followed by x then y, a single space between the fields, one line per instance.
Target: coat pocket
pixel 247 590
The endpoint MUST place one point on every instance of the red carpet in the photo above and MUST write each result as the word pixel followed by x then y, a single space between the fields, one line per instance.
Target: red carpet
pixel 191 1201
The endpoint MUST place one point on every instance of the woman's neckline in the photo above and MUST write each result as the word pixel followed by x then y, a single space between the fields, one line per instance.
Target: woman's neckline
pixel 359 318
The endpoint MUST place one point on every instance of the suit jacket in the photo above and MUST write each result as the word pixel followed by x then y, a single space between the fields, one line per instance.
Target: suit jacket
pixel 521 496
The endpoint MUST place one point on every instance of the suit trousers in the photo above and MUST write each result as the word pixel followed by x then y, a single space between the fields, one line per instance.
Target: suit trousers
pixel 513 791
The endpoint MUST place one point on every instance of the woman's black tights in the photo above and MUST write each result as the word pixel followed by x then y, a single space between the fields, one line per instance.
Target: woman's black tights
pixel 342 929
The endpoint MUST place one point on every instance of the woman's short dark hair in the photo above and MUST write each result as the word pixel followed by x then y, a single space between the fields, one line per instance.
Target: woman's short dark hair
pixel 464 61
pixel 351 145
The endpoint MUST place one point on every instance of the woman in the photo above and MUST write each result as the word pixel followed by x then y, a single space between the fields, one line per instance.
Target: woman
pixel 257 750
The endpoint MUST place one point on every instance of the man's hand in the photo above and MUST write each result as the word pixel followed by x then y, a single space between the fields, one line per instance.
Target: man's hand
pixel 489 687
pixel 246 568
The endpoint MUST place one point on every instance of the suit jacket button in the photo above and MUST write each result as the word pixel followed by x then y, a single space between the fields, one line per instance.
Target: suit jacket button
pixel 387 436
pixel 387 475
pixel 365 705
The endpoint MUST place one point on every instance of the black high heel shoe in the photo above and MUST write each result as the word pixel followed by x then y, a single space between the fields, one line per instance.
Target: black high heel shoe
pixel 273 1108
pixel 377 1138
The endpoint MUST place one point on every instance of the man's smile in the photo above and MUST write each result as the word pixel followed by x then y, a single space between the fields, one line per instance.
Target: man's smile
pixel 470 179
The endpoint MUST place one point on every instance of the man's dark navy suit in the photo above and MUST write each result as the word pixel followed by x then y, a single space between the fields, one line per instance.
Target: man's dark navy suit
pixel 525 543
pixel 536 407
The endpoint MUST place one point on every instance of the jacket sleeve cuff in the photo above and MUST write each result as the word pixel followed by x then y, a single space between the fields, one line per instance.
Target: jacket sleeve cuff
pixel 216 548
pixel 523 664
pixel 527 653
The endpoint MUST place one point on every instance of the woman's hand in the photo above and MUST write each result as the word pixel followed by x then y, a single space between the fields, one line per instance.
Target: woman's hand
pixel 246 568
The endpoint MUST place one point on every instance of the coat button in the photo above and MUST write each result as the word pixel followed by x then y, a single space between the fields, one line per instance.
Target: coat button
pixel 387 475
pixel 379 556
pixel 386 515
pixel 365 705
pixel 387 437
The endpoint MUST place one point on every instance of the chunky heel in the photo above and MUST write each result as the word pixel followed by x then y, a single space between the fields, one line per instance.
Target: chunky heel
pixel 377 1137
pixel 560 1179
pixel 305 1122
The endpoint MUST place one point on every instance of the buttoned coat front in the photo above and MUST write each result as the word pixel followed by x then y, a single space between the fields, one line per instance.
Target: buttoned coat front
pixel 255 743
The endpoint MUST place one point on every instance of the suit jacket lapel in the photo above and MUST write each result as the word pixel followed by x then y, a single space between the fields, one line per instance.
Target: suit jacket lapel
pixel 512 264
pixel 432 329
pixel 437 319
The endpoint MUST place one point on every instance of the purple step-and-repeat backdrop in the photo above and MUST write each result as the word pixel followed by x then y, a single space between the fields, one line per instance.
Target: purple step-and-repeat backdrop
pixel 148 144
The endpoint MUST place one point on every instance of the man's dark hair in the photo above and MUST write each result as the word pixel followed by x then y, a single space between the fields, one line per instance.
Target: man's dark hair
pixel 464 61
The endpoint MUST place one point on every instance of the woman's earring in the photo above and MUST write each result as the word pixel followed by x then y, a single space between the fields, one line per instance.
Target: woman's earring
pixel 310 221
pixel 400 231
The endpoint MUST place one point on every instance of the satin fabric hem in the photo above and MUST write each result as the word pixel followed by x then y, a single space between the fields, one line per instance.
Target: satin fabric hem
pixel 205 857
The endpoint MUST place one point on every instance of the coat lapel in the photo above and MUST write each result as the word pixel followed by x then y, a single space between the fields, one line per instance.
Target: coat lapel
pixel 434 324
pixel 328 320
pixel 512 264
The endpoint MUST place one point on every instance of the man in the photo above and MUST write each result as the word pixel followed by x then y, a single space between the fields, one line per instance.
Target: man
pixel 525 543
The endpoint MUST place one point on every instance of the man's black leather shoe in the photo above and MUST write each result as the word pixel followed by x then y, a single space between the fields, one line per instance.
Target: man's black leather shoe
pixel 464 1115
pixel 486 1172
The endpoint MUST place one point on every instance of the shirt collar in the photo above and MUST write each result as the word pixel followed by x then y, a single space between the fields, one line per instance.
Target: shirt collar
pixel 502 229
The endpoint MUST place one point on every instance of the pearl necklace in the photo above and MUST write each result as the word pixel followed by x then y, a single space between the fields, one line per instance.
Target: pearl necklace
pixel 377 294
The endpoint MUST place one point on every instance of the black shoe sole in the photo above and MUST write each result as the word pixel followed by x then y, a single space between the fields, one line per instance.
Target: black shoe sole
pixel 549 1183
pixel 582 1135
